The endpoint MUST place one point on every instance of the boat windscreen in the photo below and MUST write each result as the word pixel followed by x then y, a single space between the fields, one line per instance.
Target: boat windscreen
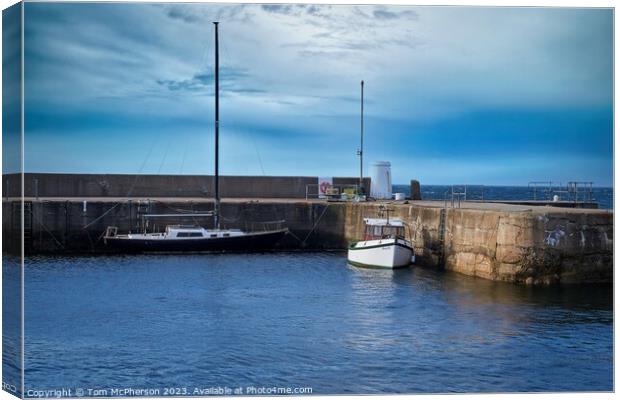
pixel 380 232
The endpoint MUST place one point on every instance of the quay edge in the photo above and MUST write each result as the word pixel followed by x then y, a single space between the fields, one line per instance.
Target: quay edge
pixel 522 244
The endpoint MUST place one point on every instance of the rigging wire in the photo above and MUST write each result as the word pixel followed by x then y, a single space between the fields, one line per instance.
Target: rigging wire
pixel 260 161
pixel 153 142
pixel 184 156
pixel 131 188
pixel 163 160
pixel 204 61
pixel 148 155
pixel 48 230
pixel 252 137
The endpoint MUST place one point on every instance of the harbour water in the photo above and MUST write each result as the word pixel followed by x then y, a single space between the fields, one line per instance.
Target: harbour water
pixel 301 320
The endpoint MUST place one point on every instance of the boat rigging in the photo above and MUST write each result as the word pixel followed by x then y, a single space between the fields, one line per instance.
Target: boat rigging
pixel 182 237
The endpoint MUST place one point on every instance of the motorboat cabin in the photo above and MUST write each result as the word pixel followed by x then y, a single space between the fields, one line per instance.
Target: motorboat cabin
pixel 384 245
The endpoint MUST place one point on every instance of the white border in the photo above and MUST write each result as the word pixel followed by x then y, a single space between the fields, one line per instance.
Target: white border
pixel 482 3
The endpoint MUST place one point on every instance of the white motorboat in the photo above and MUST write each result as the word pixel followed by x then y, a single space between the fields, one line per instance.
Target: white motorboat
pixel 384 245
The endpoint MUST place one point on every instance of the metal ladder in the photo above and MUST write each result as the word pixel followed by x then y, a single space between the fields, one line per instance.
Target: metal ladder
pixel 442 236
pixel 16 228
pixel 27 225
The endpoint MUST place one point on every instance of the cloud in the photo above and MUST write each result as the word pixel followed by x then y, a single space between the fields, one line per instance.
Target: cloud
pixel 295 69
pixel 386 14
pixel 314 10
pixel 226 74
pixel 349 32
pixel 298 10
pixel 279 8
pixel 232 80
pixel 336 46
pixel 196 13
pixel 325 54
pixel 446 56
pixel 182 14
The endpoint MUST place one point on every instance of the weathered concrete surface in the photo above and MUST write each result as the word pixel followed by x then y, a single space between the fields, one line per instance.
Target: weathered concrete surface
pixel 539 245
pixel 514 243
pixel 119 185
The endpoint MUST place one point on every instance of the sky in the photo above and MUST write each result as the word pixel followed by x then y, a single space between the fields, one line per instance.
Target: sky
pixel 453 95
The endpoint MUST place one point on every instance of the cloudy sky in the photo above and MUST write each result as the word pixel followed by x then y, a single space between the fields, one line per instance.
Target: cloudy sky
pixel 453 94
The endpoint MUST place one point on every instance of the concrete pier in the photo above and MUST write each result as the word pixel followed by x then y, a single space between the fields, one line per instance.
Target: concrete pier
pixel 506 242
pixel 514 243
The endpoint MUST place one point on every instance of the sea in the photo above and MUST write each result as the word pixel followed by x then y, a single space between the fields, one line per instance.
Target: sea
pixel 604 196
pixel 294 323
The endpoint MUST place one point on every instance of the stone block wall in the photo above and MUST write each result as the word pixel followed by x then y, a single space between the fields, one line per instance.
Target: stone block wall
pixel 539 246
pixel 533 247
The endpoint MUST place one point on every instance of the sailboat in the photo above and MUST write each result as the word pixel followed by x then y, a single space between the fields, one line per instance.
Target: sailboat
pixel 185 238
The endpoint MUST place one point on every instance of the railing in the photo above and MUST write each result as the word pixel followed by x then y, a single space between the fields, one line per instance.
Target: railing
pixel 544 190
pixel 264 226
pixel 248 226
pixel 111 231
pixel 575 191
pixel 334 191
pixel 580 191
pixel 458 193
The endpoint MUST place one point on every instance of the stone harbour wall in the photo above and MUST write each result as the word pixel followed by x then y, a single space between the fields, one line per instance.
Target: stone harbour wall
pixel 68 227
pixel 540 246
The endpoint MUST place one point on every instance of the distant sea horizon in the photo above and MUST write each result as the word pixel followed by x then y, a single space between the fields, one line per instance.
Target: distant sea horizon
pixel 488 185
pixel 600 194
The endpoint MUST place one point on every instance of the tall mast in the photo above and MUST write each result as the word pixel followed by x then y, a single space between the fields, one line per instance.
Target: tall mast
pixel 361 151
pixel 216 209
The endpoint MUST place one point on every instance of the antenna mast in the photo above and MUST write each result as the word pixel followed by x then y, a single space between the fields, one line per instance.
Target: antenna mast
pixel 360 152
pixel 216 209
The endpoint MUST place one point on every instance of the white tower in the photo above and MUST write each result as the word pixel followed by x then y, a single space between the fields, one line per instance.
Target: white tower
pixel 381 180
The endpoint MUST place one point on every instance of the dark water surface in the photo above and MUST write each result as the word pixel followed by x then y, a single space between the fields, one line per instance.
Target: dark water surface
pixel 306 320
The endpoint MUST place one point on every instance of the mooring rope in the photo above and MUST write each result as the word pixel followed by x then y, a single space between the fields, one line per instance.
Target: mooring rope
pixel 102 215
pixel 100 236
pixel 289 232
pixel 48 231
pixel 90 240
pixel 303 243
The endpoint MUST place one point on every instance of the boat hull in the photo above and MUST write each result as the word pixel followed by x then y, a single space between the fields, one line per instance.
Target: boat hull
pixel 255 241
pixel 380 254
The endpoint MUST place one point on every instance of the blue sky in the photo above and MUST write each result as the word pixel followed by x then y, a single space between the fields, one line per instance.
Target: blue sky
pixel 453 94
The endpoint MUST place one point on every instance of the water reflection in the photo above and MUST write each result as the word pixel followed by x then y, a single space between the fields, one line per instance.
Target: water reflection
pixel 308 319
pixel 374 299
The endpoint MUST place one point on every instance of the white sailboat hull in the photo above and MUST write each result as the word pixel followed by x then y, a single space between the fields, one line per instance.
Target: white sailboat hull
pixel 384 253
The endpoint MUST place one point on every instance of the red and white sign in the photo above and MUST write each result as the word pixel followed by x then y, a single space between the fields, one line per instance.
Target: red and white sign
pixel 324 184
